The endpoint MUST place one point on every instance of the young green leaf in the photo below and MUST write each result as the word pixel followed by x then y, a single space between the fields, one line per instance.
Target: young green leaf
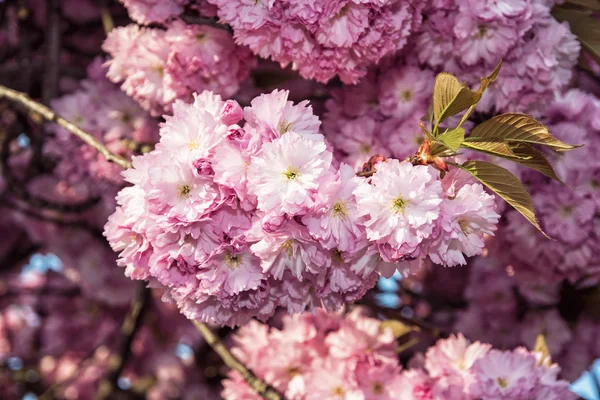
pixel 521 153
pixel 452 139
pixel 514 128
pixel 542 348
pixel 451 97
pixel 485 82
pixel 532 158
pixel 494 148
pixel 427 134
pixel 505 185
pixel 398 328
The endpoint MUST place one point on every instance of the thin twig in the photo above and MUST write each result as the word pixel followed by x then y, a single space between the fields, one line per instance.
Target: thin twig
pixel 53 44
pixel 130 327
pixel 18 188
pixel 59 220
pixel 46 113
pixel 259 386
pixel 195 19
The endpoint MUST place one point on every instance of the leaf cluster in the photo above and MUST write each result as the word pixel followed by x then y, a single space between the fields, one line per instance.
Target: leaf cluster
pixel 512 136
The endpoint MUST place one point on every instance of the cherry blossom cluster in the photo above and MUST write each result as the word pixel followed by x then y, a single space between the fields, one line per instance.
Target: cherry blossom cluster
pixel 101 109
pixel 569 216
pixel 469 37
pixel 237 220
pixel 507 303
pixel 148 12
pixel 156 66
pixel 315 356
pixel 381 114
pixel 323 39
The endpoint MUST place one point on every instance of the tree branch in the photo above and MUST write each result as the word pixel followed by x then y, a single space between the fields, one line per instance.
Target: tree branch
pixel 46 113
pixel 53 44
pixel 130 327
pixel 259 386
pixel 193 18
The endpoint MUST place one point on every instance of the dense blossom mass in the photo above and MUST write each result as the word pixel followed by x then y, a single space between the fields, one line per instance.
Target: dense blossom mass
pixel 470 37
pixel 323 39
pixel 280 165
pixel 157 67
pixel 237 218
pixel 315 356
pixel 100 108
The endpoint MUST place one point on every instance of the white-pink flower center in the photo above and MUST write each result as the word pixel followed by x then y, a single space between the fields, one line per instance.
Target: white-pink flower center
pixel 398 205
pixel 183 191
pixel 340 210
pixel 291 173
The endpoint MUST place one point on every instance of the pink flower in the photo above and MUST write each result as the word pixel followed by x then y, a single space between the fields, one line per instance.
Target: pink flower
pixel 272 115
pixel 492 9
pixel 177 187
pixel 343 24
pixel 336 225
pixel 287 175
pixel 291 248
pixel 481 41
pixel 401 204
pixel 331 380
pixel 229 272
pixel 406 91
pixel 193 131
pixel 466 217
pixel 361 338
pixel 377 381
pixel 450 361
pixel 148 11
pixel 501 375
pixel 414 384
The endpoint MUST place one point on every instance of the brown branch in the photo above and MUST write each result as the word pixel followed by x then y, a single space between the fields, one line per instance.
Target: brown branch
pixel 130 327
pixel 193 18
pixel 59 220
pixel 53 43
pixel 258 385
pixel 46 113
pixel 17 188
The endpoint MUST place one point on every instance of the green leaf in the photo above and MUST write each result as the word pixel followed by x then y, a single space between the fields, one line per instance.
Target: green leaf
pixel 530 157
pixel 428 135
pixel 398 328
pixel 485 82
pixel 542 347
pixel 521 153
pixel 451 97
pixel 453 139
pixel 494 148
pixel 505 185
pixel 516 128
